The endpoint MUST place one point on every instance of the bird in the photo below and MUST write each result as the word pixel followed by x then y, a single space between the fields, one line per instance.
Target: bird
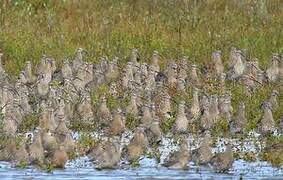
pixel 4 79
pixel 273 99
pixel 225 107
pixel 183 68
pixel 129 71
pixel 221 79
pixel 150 79
pixel 59 113
pixel 203 154
pixel 61 131
pixel 165 106
pixel 281 124
pixel 155 61
pixel 281 66
pixel 172 74
pixel 49 142
pixel 181 122
pixel 138 144
pixel 181 85
pixel 236 66
pixel 205 119
pixel 217 63
pixel 10 126
pixel 195 106
pixel 193 76
pixel 154 133
pixel 103 111
pixel 28 72
pixel 84 109
pixel 46 119
pixel 134 59
pixel 267 124
pixel 66 70
pixel 117 125
pixel 45 69
pixel 112 70
pixel 106 154
pixel 146 118
pixel 272 72
pixel 239 120
pixel 19 152
pixel 7 147
pixel 132 107
pixel 59 157
pixel 36 151
pixel 213 107
pixel 78 60
pixel 42 87
pixel 180 158
pixel 223 161
pixel 2 71
pixel 80 77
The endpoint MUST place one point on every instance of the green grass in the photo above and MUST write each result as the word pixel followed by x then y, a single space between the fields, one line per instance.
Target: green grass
pixel 31 28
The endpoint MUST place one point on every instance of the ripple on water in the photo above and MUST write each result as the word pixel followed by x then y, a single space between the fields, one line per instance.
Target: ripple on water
pixel 81 168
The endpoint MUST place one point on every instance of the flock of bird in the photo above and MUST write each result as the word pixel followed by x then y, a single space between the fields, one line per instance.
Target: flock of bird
pixel 62 96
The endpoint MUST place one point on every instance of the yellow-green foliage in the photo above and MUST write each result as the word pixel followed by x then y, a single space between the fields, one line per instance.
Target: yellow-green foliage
pixel 29 123
pixel 274 154
pixel 131 121
pixel 86 142
pixel 31 28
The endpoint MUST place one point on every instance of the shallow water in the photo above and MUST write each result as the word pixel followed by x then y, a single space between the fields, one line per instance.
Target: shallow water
pixel 82 169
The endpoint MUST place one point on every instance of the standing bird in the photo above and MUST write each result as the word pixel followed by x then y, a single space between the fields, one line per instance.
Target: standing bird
pixel 203 154
pixel 132 108
pixel 36 151
pixel 42 87
pixel 225 107
pixel 103 112
pixel 239 120
pixel 154 132
pixel 106 154
pixel 138 144
pixel 273 99
pixel 146 118
pixel 267 124
pixel 272 72
pixel 165 106
pixel 155 61
pixel 217 63
pixel 180 158
pixel 181 122
pixel 59 157
pixel 66 70
pixel 223 161
pixel 78 60
pixel 28 71
pixel 205 119
pixel 213 107
pixel 193 76
pixel 117 125
pixel 195 106
pixel 49 142
pixel 172 73
pixel 236 64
